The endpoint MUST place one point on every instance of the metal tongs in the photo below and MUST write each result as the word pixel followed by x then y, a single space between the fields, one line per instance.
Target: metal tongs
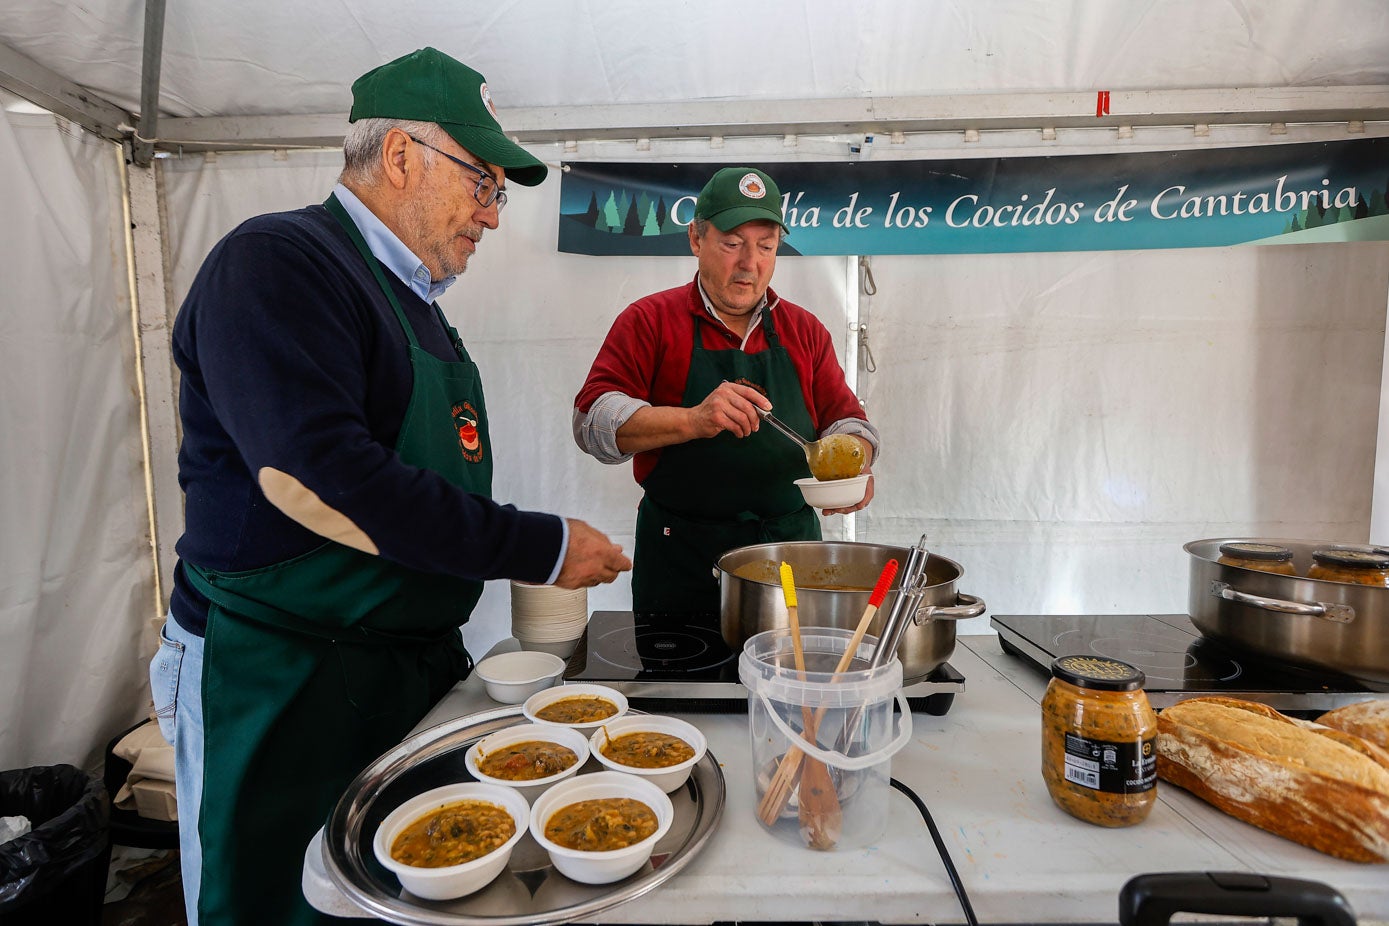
pixel 910 592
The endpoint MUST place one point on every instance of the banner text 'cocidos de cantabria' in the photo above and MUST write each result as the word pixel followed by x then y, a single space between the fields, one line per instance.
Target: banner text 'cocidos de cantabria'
pixel 1211 197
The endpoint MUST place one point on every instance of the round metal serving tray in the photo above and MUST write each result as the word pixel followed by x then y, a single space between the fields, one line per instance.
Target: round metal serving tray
pixel 529 890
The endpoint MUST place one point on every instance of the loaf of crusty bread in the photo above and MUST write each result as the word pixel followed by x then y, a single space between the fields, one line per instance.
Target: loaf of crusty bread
pixel 1324 788
pixel 1368 720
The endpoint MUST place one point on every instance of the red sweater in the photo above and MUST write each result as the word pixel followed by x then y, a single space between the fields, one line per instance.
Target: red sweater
pixel 646 355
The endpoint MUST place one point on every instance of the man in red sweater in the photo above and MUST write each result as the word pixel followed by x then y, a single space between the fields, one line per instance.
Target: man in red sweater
pixel 676 387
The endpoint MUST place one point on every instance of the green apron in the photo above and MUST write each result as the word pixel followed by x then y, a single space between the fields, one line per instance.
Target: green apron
pixel 317 665
pixel 706 497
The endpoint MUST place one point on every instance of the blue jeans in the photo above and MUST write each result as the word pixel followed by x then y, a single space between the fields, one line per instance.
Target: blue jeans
pixel 176 681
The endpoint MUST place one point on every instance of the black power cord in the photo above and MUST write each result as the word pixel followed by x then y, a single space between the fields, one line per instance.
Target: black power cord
pixel 942 850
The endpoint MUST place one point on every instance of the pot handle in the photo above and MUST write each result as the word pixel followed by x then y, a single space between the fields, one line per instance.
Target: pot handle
pixel 969 606
pixel 1327 610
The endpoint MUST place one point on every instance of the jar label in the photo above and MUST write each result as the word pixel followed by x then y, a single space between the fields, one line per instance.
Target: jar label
pixel 1114 768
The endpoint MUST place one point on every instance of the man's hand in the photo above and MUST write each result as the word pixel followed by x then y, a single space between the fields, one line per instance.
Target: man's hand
pixel 730 407
pixel 591 558
pixel 867 497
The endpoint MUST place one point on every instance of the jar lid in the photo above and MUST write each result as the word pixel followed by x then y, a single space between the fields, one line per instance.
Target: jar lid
pixel 1269 552
pixel 1097 672
pixel 1353 559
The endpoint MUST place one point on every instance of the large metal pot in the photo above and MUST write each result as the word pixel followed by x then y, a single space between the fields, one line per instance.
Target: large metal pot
pixel 834 580
pixel 1315 622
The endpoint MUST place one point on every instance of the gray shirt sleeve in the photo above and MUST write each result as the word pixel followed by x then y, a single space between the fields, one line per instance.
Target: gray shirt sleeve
pixel 596 432
pixel 859 428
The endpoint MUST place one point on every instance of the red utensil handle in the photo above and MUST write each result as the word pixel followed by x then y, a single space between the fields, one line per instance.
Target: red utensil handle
pixel 884 580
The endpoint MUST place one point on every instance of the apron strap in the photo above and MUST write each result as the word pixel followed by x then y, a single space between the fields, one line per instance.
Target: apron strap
pixel 336 210
pixel 268 615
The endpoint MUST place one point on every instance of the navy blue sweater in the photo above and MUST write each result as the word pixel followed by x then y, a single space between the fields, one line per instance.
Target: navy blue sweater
pixel 292 358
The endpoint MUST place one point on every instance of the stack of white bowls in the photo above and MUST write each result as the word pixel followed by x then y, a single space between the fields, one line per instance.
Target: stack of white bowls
pixel 547 618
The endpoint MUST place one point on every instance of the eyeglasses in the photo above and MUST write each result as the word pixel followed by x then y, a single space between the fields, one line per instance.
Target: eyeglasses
pixel 487 190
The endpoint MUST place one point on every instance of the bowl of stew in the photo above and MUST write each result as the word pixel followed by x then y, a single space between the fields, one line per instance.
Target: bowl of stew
pixel 581 707
pixel 453 840
pixel 601 827
pixel 660 749
pixel 529 757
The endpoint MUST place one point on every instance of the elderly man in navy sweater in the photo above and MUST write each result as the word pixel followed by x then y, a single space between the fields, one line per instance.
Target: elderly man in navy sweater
pixel 337 466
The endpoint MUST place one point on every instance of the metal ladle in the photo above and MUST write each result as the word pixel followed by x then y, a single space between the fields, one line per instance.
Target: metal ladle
pixel 835 456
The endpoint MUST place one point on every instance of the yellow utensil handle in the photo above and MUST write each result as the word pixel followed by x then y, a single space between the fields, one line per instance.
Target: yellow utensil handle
pixel 788 585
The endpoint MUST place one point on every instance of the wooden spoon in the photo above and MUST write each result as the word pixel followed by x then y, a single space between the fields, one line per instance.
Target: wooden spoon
pixel 779 789
pixel 820 815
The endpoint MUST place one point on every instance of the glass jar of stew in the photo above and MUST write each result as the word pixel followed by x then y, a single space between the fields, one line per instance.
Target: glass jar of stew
pixel 1261 557
pixel 1358 567
pixel 1099 756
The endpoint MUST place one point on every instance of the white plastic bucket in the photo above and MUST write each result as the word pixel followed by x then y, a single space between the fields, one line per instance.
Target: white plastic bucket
pixel 854 733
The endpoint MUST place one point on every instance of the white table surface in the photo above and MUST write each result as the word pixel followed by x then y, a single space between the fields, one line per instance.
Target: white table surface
pixel 978 769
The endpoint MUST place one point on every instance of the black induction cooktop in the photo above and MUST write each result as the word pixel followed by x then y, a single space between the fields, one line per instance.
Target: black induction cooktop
pixel 623 645
pixel 1178 661
pixel 656 659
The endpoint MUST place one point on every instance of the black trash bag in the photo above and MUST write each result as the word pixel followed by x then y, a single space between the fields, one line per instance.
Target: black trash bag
pixel 63 860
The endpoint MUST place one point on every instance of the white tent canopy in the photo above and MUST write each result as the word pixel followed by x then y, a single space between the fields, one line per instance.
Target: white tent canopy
pixel 1059 423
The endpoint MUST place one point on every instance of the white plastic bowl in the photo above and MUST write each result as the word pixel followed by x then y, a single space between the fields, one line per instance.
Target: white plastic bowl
pixel 524 733
pixel 513 677
pixel 450 881
pixel 542 699
pixel 600 867
pixel 833 493
pixel 667 779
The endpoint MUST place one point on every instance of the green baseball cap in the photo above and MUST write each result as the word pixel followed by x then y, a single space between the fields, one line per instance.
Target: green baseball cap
pixel 429 86
pixel 736 195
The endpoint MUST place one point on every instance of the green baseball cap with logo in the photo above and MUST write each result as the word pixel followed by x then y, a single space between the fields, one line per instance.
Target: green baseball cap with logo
pixel 736 195
pixel 429 86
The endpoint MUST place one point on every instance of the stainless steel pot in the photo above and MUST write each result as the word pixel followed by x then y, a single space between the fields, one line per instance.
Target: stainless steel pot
pixel 1315 622
pixel 751 600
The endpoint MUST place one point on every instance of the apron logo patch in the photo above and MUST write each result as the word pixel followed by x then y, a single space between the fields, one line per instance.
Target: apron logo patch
pixel 465 419
pixel 744 381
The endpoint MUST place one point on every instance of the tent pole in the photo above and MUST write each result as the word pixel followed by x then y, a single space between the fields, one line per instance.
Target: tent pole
pixel 25 77
pixel 143 149
pixel 154 370
pixel 1379 493
pixel 851 325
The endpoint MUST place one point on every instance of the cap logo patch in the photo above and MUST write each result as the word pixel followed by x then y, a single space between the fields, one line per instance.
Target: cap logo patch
pixel 487 100
pixel 751 186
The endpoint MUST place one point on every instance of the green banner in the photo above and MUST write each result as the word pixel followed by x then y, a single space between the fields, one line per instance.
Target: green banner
pixel 1209 197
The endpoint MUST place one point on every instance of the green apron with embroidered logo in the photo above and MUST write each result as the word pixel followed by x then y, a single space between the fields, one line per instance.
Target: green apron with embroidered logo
pixel 317 665
pixel 708 496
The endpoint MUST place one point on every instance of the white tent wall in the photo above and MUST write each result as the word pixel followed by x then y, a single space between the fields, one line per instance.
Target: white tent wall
pixel 1060 424
pixel 76 575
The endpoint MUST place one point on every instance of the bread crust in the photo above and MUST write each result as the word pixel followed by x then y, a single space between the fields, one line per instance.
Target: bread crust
pixel 1368 720
pixel 1337 804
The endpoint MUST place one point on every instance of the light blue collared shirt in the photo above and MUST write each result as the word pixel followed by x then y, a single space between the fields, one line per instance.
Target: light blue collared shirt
pixel 390 250
pixel 400 260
